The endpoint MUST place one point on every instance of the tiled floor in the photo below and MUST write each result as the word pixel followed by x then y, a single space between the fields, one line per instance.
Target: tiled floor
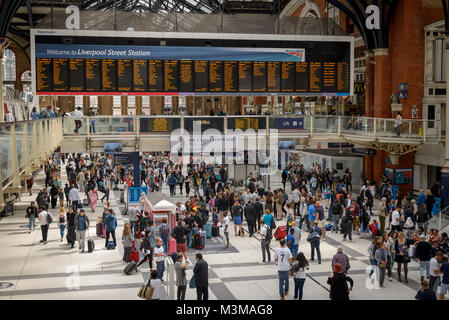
pixel 54 271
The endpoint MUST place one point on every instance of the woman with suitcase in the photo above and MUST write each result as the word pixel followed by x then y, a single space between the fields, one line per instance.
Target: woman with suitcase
pixel 127 239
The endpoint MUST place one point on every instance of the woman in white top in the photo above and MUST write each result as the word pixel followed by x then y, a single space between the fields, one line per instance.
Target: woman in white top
pixel 299 267
pixel 303 211
pixel 155 283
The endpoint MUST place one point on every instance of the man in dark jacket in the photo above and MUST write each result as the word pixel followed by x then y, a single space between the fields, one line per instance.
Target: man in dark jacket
pixel 250 216
pixel 259 212
pixel 425 293
pixel 422 216
pixel 222 205
pixel 201 278
pixel 423 255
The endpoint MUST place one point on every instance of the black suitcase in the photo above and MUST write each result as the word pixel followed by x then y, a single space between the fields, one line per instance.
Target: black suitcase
pixel 90 245
pixel 130 267
pixel 215 231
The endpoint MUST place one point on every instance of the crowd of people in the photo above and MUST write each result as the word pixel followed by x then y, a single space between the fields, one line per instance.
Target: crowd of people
pixel 319 201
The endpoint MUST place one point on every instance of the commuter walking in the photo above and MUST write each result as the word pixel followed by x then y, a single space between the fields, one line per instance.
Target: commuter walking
pixel 284 259
pixel 201 273
pixel 81 226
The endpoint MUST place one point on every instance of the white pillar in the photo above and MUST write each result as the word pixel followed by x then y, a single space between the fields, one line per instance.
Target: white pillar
pixel 26 154
pixel 2 109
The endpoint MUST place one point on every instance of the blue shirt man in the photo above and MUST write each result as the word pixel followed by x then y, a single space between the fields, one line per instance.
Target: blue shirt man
pixel 421 198
pixel 291 241
pixel 267 219
pixel 312 213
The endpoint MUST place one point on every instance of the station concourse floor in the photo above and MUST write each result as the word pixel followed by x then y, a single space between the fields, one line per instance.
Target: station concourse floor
pixel 54 271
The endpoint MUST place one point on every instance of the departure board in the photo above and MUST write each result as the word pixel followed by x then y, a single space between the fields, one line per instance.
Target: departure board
pixel 60 74
pixel 343 77
pixel 108 75
pixel 231 76
pixel 186 76
pixel 302 77
pixel 156 75
pixel 140 78
pixel 44 75
pixel 274 76
pixel 126 66
pixel 216 76
pixel 316 76
pixel 125 75
pixel 288 76
pixel 329 76
pixel 76 75
pixel 259 76
pixel 245 76
pixel 93 75
pixel 201 76
pixel 171 76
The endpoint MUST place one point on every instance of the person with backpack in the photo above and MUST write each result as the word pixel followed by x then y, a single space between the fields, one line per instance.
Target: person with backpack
pixel 298 270
pixel 110 223
pixel 164 232
pixel 31 214
pixel 266 234
pixel 337 211
pixel 346 225
pixel 314 239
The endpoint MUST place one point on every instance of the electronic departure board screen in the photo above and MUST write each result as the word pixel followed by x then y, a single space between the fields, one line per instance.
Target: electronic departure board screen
pixel 259 76
pixel 44 75
pixel 201 76
pixel 296 67
pixel 302 77
pixel 108 75
pixel 76 75
pixel 231 76
pixel 343 77
pixel 274 76
pixel 156 75
pixel 140 78
pixel 93 75
pixel 329 76
pixel 171 76
pixel 316 76
pixel 186 76
pixel 216 76
pixel 245 76
pixel 60 74
pixel 125 75
pixel 288 76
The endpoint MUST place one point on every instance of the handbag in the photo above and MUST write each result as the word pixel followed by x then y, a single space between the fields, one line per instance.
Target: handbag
pixel 192 284
pixel 146 292
pixel 49 218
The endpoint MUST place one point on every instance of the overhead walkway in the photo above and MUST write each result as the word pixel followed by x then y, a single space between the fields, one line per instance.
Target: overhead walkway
pixel 25 145
pixel 141 133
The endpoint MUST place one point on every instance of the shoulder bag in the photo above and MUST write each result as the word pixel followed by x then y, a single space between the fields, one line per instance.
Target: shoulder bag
pixel 146 292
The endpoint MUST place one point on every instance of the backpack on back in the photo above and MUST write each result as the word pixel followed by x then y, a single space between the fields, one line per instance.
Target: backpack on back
pixel 269 234
pixel 165 230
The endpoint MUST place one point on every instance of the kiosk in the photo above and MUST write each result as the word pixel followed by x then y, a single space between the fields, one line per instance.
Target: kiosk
pixel 158 207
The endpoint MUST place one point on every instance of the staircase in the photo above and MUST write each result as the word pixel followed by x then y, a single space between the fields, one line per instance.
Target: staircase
pixel 439 221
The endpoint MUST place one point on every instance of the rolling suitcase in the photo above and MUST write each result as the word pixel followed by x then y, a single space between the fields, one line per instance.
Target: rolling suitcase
pixel 99 228
pixel 198 241
pixel 90 245
pixel 215 231
pixel 280 233
pixel 130 267
pixel 208 229
pixel 111 245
